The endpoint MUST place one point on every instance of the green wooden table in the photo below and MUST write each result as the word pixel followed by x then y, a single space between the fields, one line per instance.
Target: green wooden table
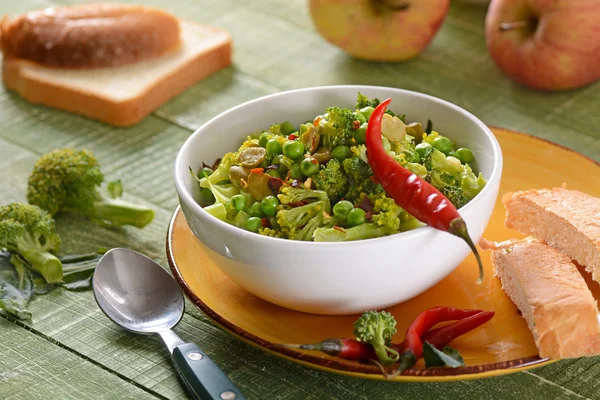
pixel 72 351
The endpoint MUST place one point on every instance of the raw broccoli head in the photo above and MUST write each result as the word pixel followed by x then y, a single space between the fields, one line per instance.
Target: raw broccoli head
pixel 378 328
pixel 68 180
pixel 385 211
pixel 454 180
pixel 360 177
pixel 292 195
pixel 337 127
pixel 30 231
pixel 363 101
pixel 299 223
pixel 332 180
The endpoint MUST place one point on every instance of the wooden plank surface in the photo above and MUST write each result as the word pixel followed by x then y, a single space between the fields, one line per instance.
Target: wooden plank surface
pixel 78 353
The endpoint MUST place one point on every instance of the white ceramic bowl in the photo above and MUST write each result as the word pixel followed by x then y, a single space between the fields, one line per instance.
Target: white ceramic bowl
pixel 335 278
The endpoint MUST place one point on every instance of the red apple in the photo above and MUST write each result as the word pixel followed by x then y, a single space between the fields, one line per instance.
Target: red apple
pixel 380 30
pixel 546 44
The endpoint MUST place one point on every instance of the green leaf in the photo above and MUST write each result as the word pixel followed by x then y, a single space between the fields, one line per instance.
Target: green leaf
pixel 78 275
pixel 449 357
pixel 16 287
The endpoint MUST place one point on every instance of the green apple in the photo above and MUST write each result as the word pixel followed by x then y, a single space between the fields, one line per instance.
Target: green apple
pixel 380 30
pixel 544 44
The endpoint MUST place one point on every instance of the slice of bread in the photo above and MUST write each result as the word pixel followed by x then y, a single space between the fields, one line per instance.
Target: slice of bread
pixel 123 95
pixel 566 219
pixel 552 296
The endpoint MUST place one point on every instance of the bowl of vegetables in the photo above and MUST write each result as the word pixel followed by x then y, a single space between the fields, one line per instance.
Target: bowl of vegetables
pixel 301 204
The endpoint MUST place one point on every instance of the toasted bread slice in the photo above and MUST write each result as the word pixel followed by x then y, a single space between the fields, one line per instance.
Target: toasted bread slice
pixel 552 296
pixel 123 95
pixel 566 219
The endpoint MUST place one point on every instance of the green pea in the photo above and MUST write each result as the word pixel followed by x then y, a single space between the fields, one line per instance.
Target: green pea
pixel 423 148
pixel 342 208
pixel 361 134
pixel 355 217
pixel 287 128
pixel 293 149
pixel 255 210
pixel 273 148
pixel 309 166
pixel 204 172
pixel 341 152
pixel 296 172
pixel 359 116
pixel 466 155
pixel 207 196
pixel 268 205
pixel 386 143
pixel 239 202
pixel 367 111
pixel 253 224
pixel 443 144
pixel 274 173
pixel 263 139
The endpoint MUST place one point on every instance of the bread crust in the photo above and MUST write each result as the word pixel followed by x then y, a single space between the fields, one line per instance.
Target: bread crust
pixel 90 35
pixel 552 296
pixel 566 219
pixel 118 113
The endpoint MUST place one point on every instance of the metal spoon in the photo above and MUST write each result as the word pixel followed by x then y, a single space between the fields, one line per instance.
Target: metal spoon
pixel 140 296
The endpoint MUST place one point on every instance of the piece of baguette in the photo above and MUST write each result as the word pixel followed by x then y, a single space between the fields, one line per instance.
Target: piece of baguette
pixel 552 296
pixel 566 219
pixel 123 95
pixel 90 35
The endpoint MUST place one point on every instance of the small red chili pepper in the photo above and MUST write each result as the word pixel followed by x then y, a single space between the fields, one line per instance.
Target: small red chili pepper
pixel 314 161
pixel 316 121
pixel 415 195
pixel 412 347
pixel 441 337
pixel 293 137
pixel 265 223
pixel 257 171
pixel 346 348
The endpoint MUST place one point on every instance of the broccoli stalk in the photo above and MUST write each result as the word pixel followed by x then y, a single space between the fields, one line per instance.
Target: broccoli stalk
pixel 291 195
pixel 30 232
pixel 67 180
pixel 378 328
pixel 368 230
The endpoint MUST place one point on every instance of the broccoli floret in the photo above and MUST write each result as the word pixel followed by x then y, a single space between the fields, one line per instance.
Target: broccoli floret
pixel 30 232
pixel 454 180
pixel 385 211
pixel 332 180
pixel 337 127
pixel 67 180
pixel 363 101
pixel 360 178
pixel 360 232
pixel 378 328
pixel 299 223
pixel 291 195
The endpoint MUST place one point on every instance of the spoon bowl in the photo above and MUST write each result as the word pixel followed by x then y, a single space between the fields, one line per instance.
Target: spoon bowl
pixel 140 296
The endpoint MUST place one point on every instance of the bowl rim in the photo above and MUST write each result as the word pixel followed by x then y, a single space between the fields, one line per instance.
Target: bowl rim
pixel 186 197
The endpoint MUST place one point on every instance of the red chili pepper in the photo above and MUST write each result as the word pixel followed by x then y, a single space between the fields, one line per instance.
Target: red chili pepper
pixel 293 137
pixel 415 195
pixel 441 337
pixel 412 347
pixel 257 171
pixel 347 348
pixel 316 121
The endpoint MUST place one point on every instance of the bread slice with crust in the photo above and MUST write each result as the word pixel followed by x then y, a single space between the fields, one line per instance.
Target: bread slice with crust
pixel 135 83
pixel 566 219
pixel 552 295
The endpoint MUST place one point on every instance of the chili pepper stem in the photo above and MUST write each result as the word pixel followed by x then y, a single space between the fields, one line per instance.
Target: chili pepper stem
pixel 458 228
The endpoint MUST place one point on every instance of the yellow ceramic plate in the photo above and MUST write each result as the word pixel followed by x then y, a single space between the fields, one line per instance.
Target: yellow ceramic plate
pixel 503 345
